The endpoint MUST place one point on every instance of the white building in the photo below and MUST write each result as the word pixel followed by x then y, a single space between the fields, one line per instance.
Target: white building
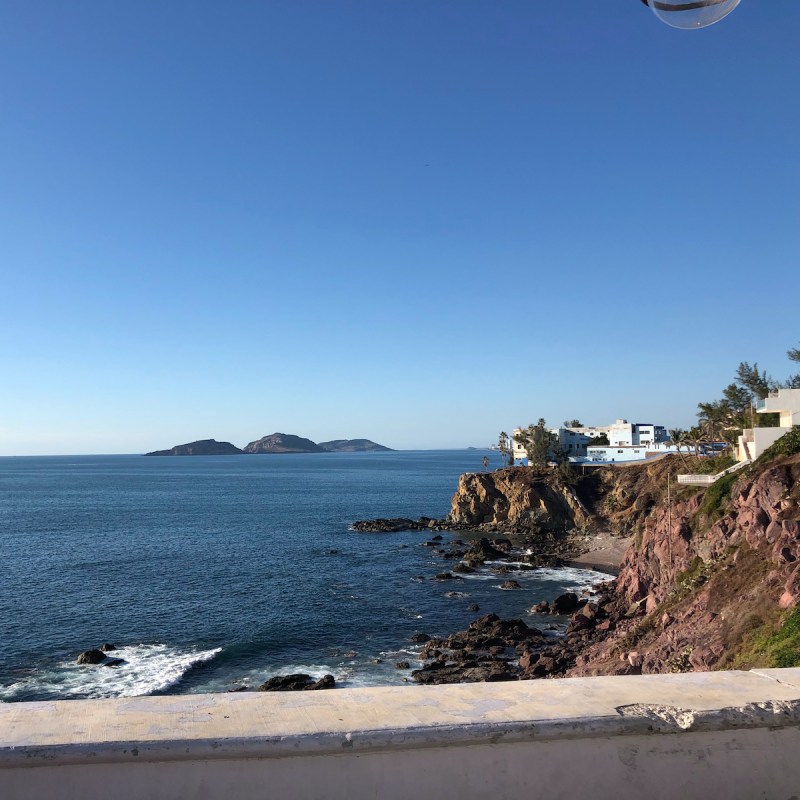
pixel 632 434
pixel 629 441
pixel 572 441
pixel 754 441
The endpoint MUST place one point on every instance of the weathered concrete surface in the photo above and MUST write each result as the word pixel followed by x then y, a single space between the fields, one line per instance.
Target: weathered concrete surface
pixel 732 735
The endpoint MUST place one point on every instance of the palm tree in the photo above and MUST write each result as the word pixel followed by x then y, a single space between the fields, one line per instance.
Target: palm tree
pixel 694 439
pixel 678 437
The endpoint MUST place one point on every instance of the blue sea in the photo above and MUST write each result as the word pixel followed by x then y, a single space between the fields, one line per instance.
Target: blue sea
pixel 212 573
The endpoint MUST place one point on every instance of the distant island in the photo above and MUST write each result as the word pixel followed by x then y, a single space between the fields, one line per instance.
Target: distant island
pixel 283 443
pixel 203 447
pixel 274 443
pixel 354 446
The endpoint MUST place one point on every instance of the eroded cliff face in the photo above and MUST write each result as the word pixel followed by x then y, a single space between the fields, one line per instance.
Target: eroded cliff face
pixel 700 578
pixel 524 499
pixel 518 499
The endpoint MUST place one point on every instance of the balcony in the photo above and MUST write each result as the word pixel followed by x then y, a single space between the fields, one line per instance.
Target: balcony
pixel 715 734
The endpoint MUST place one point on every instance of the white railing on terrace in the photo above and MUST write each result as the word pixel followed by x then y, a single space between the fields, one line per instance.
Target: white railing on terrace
pixel 707 480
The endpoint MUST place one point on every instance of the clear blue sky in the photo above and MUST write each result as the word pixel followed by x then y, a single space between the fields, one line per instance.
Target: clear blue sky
pixel 418 221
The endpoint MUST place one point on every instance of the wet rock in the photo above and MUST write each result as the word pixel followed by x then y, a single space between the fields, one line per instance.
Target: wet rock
pixel 464 569
pixel 510 585
pixel 566 603
pixel 287 683
pixel 473 607
pixel 108 647
pixel 95 656
pixel 113 662
pixel 402 665
pixel 448 576
pixel 325 682
pixel 420 638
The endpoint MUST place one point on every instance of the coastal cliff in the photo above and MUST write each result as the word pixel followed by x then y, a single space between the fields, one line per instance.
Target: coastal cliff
pixel 708 584
pixel 710 579
pixel 517 499
pixel 525 499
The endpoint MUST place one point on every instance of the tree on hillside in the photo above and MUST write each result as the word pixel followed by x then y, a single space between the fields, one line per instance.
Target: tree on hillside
pixel 537 442
pixel 758 383
pixel 506 448
pixel 678 438
pixel 794 380
pixel 694 438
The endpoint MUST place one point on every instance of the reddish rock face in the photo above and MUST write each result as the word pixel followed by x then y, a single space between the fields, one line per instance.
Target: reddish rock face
pixel 705 583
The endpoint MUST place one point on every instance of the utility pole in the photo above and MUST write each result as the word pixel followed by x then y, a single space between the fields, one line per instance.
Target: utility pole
pixel 669 516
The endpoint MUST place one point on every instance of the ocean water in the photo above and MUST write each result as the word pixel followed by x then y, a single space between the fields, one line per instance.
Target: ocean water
pixel 211 573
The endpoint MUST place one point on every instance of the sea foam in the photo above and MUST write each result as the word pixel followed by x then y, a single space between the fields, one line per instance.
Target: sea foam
pixel 147 668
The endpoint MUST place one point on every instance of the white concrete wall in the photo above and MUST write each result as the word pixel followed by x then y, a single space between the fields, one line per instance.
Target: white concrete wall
pixel 785 402
pixel 723 735
pixel 758 440
pixel 616 454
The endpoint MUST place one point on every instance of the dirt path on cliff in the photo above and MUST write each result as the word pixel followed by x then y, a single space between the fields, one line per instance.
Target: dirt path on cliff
pixel 603 552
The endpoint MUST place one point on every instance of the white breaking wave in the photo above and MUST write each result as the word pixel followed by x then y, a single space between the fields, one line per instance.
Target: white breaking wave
pixel 148 668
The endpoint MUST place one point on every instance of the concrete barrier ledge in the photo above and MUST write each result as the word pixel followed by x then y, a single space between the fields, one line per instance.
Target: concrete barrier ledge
pixel 341 721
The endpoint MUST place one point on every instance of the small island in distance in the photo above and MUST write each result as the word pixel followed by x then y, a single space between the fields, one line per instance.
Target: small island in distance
pixel 274 443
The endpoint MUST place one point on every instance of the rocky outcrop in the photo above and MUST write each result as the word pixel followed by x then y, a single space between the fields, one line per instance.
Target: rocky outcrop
pixel 91 657
pixel 396 524
pixel 203 447
pixel 354 446
pixel 298 681
pixel 283 443
pixel 517 499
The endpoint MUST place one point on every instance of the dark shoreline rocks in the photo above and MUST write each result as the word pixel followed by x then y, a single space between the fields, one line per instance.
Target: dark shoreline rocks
pixel 297 681
pixel 397 524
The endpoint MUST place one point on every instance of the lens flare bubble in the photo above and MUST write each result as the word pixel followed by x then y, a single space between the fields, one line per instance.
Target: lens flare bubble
pixel 691 14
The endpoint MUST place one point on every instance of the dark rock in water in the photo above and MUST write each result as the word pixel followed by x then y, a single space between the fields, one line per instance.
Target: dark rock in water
pixel 298 681
pixel 239 689
pixel 510 585
pixel 465 569
pixel 437 538
pixel 448 576
pixel 396 524
pixel 287 683
pixel 325 682
pixel 333 552
pixel 402 665
pixel 92 657
pixel 565 604
pixel 384 525
pixel 483 550
pixel 113 662
pixel 420 638
pixel 473 607
pixel 108 647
